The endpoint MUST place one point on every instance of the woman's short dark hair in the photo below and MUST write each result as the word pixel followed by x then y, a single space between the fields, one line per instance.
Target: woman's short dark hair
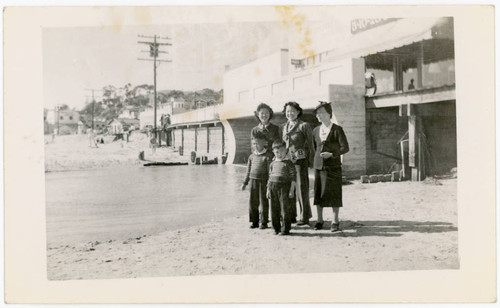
pixel 279 144
pixel 259 135
pixel 294 105
pixel 261 106
pixel 326 105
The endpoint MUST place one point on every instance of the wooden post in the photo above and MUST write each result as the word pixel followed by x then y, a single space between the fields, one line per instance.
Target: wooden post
pixel 420 66
pixel 173 139
pixel 420 159
pixel 403 158
pixel 208 139
pixel 195 139
pixel 223 145
pixel 412 146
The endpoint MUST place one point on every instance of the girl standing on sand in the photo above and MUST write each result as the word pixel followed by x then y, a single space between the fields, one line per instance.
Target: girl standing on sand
pixel 264 114
pixel 330 143
pixel 298 138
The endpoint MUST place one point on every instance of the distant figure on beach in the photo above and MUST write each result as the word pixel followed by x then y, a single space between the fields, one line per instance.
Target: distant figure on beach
pixel 411 86
pixel 281 189
pixel 298 138
pixel 168 130
pixel 330 143
pixel 152 143
pixel 264 114
pixel 257 175
pixel 92 139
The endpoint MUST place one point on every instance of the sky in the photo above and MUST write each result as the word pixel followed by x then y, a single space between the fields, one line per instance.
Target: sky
pixel 76 60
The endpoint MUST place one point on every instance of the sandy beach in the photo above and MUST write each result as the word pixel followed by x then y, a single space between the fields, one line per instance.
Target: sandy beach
pixel 386 227
pixel 73 152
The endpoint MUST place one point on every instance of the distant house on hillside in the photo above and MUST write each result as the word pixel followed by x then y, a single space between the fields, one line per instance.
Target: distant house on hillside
pixel 119 126
pixel 128 113
pixel 63 122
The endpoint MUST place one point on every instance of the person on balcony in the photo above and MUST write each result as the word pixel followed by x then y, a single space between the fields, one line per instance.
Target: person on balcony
pixel 370 84
pixel 411 86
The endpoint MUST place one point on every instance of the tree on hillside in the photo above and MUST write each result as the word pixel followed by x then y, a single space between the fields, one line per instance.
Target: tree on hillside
pixel 176 94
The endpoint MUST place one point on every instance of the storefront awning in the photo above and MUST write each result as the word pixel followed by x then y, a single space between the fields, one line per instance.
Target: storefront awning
pixel 393 35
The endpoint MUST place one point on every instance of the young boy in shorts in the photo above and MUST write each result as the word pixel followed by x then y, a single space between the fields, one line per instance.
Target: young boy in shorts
pixel 280 188
pixel 257 175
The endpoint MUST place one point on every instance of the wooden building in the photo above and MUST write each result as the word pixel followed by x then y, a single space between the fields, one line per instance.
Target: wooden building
pixel 389 124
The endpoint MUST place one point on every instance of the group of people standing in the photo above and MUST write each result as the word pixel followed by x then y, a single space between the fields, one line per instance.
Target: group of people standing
pixel 277 169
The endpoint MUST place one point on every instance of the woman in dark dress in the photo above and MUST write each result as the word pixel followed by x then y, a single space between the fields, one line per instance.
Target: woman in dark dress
pixel 330 143
pixel 298 138
pixel 264 114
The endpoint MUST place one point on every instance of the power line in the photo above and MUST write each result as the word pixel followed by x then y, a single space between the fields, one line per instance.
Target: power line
pixel 154 51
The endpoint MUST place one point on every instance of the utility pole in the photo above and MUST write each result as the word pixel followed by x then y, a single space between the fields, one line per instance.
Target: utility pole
pixel 93 104
pixel 58 107
pixel 154 51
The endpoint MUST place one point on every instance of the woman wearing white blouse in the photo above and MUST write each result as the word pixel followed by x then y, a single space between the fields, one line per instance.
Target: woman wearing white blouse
pixel 330 143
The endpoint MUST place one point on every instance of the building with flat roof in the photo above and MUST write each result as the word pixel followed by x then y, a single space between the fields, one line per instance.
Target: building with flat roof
pixel 391 84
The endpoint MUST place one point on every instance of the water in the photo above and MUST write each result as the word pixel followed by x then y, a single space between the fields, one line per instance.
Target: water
pixel 125 202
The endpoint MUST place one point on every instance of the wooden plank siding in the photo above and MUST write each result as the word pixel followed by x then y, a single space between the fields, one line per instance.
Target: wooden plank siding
pixel 241 129
pixel 201 139
pixel 215 140
pixel 189 140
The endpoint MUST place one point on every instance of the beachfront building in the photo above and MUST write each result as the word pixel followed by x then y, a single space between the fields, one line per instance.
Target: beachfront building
pixel 392 84
pixel 63 122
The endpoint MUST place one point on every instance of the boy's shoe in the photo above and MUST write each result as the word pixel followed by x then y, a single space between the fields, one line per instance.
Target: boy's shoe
pixel 285 233
pixel 253 226
pixel 318 226
pixel 277 232
pixel 263 226
pixel 335 228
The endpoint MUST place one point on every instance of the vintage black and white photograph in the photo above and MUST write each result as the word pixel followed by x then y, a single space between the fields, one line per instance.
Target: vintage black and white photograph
pixel 306 141
pixel 199 149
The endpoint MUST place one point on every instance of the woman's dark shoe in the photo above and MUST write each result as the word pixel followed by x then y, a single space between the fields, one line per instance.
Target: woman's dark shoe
pixel 335 228
pixel 318 226
pixel 302 222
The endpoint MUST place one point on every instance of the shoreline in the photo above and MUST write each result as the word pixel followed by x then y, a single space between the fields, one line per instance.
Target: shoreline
pixel 73 153
pixel 379 234
pixel 387 226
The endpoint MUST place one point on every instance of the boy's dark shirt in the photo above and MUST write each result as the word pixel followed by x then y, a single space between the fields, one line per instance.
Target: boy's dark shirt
pixel 282 171
pixel 258 166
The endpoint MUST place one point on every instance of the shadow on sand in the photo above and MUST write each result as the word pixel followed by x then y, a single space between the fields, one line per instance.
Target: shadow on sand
pixel 390 228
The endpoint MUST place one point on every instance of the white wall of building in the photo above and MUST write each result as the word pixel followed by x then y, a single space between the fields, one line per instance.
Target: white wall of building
pixel 275 81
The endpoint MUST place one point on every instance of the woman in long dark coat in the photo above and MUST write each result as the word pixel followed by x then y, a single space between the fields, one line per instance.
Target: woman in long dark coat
pixel 298 138
pixel 330 143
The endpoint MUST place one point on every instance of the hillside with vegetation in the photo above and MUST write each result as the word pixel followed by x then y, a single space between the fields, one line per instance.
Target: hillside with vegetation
pixel 114 101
